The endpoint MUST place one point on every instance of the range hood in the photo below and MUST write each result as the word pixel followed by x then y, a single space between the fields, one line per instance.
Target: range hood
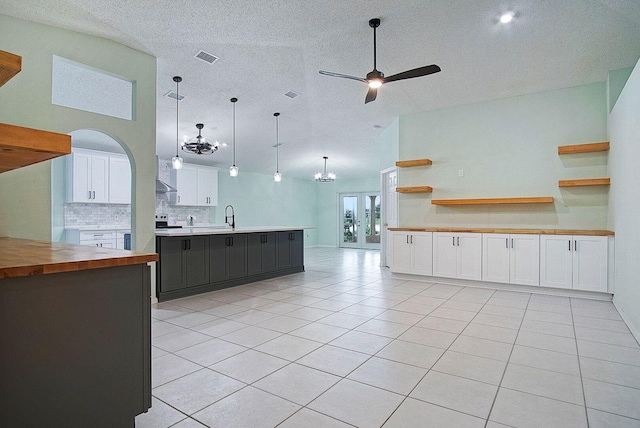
pixel 161 186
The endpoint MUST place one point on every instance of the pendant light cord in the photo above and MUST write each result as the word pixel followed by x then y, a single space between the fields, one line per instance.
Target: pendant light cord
pixel 178 80
pixel 233 100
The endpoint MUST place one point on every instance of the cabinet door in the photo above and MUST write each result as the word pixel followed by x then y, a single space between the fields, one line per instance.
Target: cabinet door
pixel 218 245
pixel 270 252
pixel 284 250
pixel 185 181
pixel 119 180
pixel 495 257
pixel 590 263
pixel 297 248
pixel 207 188
pixel 556 261
pixel 444 255
pixel 401 251
pixel 197 260
pixel 524 259
pixel 172 272
pixel 421 253
pixel 99 179
pixel 469 263
pixel 237 256
pixel 78 177
pixel 254 253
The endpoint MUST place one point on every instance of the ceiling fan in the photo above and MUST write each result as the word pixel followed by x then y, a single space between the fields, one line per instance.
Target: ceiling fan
pixel 376 78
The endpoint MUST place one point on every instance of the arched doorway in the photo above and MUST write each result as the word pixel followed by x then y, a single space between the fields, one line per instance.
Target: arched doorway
pixel 91 192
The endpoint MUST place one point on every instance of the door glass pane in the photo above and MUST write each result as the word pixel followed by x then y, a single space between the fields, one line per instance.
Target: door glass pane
pixel 372 214
pixel 349 218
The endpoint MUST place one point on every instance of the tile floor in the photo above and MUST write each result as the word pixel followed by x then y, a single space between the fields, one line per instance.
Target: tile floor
pixel 347 344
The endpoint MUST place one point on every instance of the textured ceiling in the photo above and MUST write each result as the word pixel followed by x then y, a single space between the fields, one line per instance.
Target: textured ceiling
pixel 270 47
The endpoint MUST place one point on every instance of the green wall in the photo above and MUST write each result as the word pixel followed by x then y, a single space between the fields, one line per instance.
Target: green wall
pixel 624 201
pixel 389 141
pixel 507 148
pixel 26 193
pixel 259 201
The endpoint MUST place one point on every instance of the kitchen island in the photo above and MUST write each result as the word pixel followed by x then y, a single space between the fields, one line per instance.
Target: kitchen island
pixel 199 260
pixel 75 337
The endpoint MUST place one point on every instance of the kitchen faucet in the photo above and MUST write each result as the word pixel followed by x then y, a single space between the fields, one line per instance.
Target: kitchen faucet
pixel 233 217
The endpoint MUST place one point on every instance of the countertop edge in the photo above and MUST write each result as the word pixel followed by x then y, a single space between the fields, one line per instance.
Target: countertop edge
pixel 503 230
pixel 188 231
pixel 26 257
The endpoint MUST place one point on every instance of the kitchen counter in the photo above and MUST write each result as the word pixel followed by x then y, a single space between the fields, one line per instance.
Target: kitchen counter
pixel 77 336
pixel 25 257
pixel 187 231
pixel 502 230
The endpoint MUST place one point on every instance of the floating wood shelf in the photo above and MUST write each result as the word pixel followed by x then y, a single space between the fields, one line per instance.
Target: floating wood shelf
pixel 25 146
pixel 414 189
pixel 10 65
pixel 583 148
pixel 414 162
pixel 585 182
pixel 494 201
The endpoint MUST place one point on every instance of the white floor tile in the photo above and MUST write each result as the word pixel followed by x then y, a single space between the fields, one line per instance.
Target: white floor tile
pixel 160 415
pixel 497 320
pixel 482 347
pixel 415 413
pixel 177 340
pixel 546 360
pixel 297 383
pixel 319 332
pixel 250 336
pixel 288 347
pixel 170 367
pixel 471 367
pixel 443 324
pixel 400 317
pixel 390 375
pixel 544 383
pixel 607 371
pixel 341 319
pixel 603 351
pixel 411 353
pixel 308 418
pixel 383 328
pixel 547 328
pixel 616 399
pixel 357 404
pixel 283 323
pixel 598 419
pixel 547 341
pixel 361 342
pixel 210 352
pixel 499 334
pixel 604 336
pixel 425 336
pixel 249 366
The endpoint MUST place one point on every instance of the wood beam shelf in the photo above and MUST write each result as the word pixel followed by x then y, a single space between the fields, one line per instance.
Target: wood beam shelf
pixel 494 201
pixel 585 182
pixel 21 146
pixel 414 162
pixel 414 189
pixel 583 148
pixel 10 65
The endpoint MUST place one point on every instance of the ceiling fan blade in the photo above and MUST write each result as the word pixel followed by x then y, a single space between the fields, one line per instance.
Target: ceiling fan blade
pixel 372 93
pixel 344 76
pixel 416 72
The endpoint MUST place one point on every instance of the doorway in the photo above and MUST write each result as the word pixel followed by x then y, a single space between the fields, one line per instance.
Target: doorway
pixel 359 224
pixel 389 179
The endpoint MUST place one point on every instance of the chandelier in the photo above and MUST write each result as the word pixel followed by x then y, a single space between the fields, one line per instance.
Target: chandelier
pixel 325 177
pixel 199 145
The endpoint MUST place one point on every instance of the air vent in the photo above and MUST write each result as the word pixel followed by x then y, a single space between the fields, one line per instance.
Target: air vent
pixel 292 94
pixel 207 57
pixel 173 95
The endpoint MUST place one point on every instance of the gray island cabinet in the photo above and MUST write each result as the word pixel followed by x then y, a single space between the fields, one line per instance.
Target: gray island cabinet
pixel 194 261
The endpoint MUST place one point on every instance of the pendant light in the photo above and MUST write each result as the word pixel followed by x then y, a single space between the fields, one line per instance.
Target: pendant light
pixel 233 170
pixel 176 162
pixel 324 177
pixel 200 145
pixel 277 177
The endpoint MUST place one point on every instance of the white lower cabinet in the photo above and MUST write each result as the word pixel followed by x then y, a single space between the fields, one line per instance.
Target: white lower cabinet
pixel 511 259
pixel 574 261
pixel 412 252
pixel 457 255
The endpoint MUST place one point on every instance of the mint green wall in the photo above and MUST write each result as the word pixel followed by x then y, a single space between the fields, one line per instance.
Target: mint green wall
pixel 26 193
pixel 624 198
pixel 615 83
pixel 328 205
pixel 389 141
pixel 259 201
pixel 507 148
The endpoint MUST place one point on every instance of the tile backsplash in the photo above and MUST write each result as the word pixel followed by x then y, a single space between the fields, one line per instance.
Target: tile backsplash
pixel 97 214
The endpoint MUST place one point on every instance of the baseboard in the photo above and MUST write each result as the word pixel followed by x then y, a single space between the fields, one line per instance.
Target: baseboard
pixel 634 331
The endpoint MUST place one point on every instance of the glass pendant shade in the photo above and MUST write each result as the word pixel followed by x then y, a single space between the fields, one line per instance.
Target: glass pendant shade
pixel 277 177
pixel 176 162
pixel 233 171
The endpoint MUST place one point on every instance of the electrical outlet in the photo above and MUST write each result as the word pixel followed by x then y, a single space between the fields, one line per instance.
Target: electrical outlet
pixel 461 173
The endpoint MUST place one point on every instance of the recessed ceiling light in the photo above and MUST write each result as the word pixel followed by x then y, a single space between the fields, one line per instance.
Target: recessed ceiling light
pixel 507 17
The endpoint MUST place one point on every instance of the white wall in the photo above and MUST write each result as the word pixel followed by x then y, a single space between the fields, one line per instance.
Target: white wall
pixel 624 198
pixel 507 148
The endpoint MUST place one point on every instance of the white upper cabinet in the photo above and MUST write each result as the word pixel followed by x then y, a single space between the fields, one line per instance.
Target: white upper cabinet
pixel 119 180
pixel 196 185
pixel 87 177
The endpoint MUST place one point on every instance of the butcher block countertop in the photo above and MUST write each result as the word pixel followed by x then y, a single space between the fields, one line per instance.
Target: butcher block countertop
pixel 499 230
pixel 25 257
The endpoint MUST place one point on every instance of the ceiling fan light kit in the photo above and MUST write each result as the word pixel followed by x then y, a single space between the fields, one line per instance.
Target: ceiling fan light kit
pixel 199 145
pixel 375 79
pixel 176 162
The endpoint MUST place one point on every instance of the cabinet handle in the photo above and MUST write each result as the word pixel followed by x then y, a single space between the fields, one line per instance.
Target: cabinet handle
pixel 507 242
pixel 89 197
pixel 231 241
pixel 178 198
pixel 569 244
pixel 189 243
pixel 575 245
pixel 94 194
pixel 453 238
pixel 458 241
pixel 412 239
pixel 407 239
pixel 512 243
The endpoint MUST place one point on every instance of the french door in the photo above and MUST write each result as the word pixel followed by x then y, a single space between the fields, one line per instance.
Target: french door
pixel 359 225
